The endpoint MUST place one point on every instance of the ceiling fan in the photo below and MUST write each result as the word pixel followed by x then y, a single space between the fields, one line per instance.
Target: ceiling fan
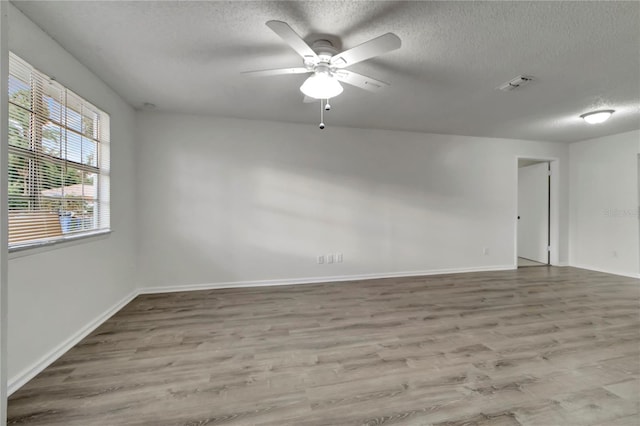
pixel 328 65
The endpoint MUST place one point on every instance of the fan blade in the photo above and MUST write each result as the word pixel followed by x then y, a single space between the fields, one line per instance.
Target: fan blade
pixel 377 46
pixel 359 80
pixel 278 71
pixel 309 99
pixel 293 39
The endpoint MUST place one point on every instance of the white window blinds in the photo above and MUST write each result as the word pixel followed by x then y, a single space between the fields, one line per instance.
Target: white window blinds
pixel 58 161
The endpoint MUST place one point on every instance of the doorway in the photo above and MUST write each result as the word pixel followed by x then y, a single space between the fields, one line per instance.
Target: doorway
pixel 534 213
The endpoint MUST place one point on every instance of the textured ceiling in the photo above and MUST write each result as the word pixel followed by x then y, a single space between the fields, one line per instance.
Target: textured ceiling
pixel 188 56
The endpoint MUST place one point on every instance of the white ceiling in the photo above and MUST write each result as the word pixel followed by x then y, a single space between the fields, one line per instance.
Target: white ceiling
pixel 187 57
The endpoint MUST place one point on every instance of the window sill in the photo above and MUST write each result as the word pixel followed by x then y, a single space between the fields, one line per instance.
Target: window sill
pixel 44 246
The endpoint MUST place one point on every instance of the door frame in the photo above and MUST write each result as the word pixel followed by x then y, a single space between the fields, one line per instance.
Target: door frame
pixel 554 208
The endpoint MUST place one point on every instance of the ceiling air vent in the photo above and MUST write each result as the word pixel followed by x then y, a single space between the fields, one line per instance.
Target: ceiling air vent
pixel 516 83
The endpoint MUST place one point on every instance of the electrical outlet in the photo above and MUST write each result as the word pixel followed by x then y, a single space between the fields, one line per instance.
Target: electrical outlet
pixel 320 259
pixel 338 257
pixel 485 251
pixel 330 258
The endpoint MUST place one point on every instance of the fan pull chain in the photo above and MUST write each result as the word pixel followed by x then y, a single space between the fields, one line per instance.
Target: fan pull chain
pixel 321 115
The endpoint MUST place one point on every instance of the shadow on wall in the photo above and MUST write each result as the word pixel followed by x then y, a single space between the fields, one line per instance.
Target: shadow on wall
pixel 249 211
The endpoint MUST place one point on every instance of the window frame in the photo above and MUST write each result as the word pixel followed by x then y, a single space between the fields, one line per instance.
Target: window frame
pixel 99 135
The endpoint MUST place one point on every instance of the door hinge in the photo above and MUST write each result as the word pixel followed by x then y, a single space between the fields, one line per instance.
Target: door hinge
pixel 548 248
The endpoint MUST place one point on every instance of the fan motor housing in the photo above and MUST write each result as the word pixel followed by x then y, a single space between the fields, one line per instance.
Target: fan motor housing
pixel 324 49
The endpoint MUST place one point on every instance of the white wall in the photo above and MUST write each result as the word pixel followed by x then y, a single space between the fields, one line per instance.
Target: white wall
pixel 533 212
pixel 604 204
pixel 55 294
pixel 225 200
pixel 232 201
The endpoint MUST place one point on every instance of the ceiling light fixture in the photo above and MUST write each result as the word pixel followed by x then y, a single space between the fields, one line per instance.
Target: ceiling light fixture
pixel 597 117
pixel 321 85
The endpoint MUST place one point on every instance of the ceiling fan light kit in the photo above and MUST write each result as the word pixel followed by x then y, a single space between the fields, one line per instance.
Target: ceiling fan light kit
pixel 321 85
pixel 328 66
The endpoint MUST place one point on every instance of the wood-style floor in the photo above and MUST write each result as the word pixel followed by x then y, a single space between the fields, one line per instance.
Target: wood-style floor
pixel 523 263
pixel 534 346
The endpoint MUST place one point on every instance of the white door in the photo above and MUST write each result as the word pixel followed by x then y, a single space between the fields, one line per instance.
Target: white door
pixel 533 212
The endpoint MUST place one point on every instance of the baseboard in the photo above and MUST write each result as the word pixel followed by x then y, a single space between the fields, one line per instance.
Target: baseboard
pixel 561 264
pixel 29 373
pixel 317 280
pixel 606 271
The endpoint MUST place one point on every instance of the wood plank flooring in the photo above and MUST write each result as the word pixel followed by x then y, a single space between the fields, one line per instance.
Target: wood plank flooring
pixel 534 346
pixel 523 263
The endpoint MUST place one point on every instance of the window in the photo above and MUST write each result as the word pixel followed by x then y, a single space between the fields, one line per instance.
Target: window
pixel 58 161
